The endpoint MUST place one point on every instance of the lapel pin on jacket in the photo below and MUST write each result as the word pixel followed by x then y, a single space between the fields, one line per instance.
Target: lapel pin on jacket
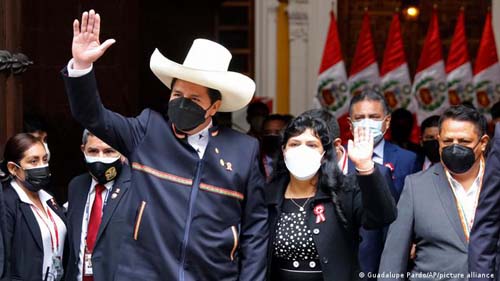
pixel 53 203
pixel 319 211
pixel 229 166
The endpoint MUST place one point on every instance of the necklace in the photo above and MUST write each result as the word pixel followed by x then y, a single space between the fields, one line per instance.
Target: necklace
pixel 301 208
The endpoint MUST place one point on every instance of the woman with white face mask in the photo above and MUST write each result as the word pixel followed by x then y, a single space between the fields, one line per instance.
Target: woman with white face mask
pixel 34 225
pixel 315 211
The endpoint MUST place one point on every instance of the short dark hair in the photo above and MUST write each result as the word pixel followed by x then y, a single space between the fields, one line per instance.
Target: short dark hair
pixel 429 122
pixel 85 136
pixel 257 108
pixel 275 117
pixel 15 148
pixel 330 120
pixel 33 123
pixel 465 113
pixel 401 124
pixel 213 94
pixel 370 95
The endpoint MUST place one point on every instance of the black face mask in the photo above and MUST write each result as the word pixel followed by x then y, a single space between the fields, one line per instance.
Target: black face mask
pixel 185 114
pixel 458 158
pixel 36 178
pixel 271 144
pixel 104 172
pixel 431 150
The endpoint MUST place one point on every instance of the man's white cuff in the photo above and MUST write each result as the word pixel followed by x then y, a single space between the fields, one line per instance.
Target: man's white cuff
pixel 77 72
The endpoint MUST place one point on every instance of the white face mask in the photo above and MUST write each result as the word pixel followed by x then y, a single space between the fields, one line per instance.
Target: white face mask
pixel 303 162
pixel 105 160
pixel 375 127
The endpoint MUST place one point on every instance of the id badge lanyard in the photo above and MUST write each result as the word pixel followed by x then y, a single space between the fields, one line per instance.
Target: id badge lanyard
pixel 54 239
pixel 54 244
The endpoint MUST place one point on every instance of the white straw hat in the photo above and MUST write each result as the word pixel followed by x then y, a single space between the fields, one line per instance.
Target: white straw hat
pixel 206 64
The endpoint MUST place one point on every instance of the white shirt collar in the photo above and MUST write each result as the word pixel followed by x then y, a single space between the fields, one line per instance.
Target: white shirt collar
pixel 457 186
pixel 467 200
pixel 202 133
pixel 342 163
pixel 108 185
pixel 44 196
pixel 427 164
pixel 199 141
pixel 378 150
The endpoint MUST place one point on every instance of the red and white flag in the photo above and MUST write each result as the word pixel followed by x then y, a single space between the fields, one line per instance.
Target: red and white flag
pixel 486 70
pixel 395 82
pixel 458 67
pixel 332 91
pixel 364 69
pixel 429 85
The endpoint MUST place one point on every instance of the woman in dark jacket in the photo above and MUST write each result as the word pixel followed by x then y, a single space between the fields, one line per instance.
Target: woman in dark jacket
pixel 315 211
pixel 34 225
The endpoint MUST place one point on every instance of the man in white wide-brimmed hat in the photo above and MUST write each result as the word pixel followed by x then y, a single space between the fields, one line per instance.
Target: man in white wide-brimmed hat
pixel 199 211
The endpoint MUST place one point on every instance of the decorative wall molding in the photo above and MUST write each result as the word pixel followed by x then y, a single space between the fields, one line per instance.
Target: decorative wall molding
pixel 265 48
pixel 307 39
pixel 13 63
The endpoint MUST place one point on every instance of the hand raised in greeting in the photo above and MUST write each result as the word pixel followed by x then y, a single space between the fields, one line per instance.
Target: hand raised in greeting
pixel 86 47
pixel 360 150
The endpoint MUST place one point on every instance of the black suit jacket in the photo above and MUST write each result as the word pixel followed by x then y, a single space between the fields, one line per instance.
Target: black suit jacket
pixel 115 225
pixel 366 202
pixel 484 238
pixel 23 239
pixel 2 227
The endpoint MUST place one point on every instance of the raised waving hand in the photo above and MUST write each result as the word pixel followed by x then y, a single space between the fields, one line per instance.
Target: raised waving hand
pixel 86 47
pixel 360 150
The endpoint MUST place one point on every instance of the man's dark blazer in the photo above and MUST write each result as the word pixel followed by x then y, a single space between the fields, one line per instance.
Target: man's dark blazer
pixel 199 219
pixel 401 163
pixel 366 201
pixel 3 261
pixel 116 224
pixel 484 239
pixel 23 239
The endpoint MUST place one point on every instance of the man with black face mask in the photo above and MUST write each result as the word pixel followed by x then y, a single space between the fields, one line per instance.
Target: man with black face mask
pixel 98 212
pixel 202 214
pixel 272 128
pixel 437 207
pixel 429 142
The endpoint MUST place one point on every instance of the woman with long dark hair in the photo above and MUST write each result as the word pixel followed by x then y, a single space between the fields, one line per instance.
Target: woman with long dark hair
pixel 34 228
pixel 315 211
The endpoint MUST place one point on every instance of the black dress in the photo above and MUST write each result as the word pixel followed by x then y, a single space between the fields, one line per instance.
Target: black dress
pixel 294 250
